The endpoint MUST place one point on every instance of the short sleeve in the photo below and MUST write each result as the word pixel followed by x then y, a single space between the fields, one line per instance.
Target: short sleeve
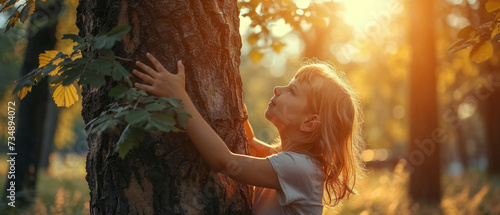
pixel 297 175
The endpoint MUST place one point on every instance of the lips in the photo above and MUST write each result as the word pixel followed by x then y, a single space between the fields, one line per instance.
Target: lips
pixel 272 102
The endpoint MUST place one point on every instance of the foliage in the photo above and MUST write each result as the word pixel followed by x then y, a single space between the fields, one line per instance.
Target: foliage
pixel 93 63
pixel 481 37
pixel 264 13
pixel 22 11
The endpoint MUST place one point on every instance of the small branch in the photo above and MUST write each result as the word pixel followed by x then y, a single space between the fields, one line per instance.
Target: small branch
pixel 124 59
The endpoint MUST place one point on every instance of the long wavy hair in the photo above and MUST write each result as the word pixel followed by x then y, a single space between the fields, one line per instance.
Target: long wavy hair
pixel 337 142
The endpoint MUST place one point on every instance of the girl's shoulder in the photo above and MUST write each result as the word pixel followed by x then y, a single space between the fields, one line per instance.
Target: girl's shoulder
pixel 295 163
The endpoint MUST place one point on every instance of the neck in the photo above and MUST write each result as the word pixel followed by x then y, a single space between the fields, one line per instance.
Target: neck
pixel 288 138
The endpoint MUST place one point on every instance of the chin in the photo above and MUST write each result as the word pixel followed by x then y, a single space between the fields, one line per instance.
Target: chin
pixel 270 117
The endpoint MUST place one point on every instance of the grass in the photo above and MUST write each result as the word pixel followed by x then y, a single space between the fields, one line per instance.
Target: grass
pixel 62 190
pixel 386 192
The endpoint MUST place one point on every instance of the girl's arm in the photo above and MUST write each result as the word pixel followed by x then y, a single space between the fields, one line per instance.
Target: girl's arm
pixel 257 148
pixel 243 168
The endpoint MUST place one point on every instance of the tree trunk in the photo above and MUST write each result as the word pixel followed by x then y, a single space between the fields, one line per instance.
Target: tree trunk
pixel 32 109
pixel 165 174
pixel 425 135
pixel 50 128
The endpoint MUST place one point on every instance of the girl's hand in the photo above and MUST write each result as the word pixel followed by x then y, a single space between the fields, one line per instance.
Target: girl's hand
pixel 161 82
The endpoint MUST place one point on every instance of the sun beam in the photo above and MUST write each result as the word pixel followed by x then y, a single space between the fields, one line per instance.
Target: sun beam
pixel 362 13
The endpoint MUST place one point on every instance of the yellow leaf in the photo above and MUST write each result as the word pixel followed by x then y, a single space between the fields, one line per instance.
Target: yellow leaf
pixel 23 92
pixel 77 55
pixel 31 5
pixel 13 20
pixel 467 32
pixel 65 95
pixel 9 4
pixel 492 5
pixel 277 47
pixel 46 57
pixel 495 31
pixel 256 56
pixel 481 51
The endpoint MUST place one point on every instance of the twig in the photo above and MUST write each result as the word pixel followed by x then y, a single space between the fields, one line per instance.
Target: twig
pixel 124 59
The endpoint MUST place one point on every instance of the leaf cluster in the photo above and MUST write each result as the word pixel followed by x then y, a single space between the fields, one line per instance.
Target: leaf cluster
pixel 265 13
pixel 22 11
pixel 139 113
pixel 93 63
pixel 480 38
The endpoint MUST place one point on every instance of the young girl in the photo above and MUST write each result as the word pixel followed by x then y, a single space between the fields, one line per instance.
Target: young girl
pixel 318 119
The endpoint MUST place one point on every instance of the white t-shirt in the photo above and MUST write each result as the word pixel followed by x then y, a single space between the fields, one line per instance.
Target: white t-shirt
pixel 301 187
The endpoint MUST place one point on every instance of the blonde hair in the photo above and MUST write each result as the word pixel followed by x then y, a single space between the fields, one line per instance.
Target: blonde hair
pixel 337 143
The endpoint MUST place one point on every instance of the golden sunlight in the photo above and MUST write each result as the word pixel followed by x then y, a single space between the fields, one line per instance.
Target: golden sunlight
pixel 360 13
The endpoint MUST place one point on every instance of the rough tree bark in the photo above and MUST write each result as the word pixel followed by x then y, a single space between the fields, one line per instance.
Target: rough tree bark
pixel 425 136
pixel 166 175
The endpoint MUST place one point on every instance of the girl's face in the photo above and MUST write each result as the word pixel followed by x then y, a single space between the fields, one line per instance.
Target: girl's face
pixel 288 107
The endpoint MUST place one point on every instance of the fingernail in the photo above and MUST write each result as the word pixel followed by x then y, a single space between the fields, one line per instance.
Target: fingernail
pixel 137 62
pixel 180 61
pixel 148 53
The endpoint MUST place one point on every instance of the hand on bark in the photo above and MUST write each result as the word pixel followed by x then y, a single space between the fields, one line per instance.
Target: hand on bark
pixel 161 82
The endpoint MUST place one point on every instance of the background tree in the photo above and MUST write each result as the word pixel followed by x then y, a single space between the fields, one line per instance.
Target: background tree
pixel 30 130
pixel 425 136
pixel 165 174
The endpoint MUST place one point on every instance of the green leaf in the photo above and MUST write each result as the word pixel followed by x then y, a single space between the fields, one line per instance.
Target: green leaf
pixel 25 81
pixel 155 107
pixel 47 69
pixel 101 66
pixel 103 42
pixel 119 30
pixel 148 99
pixel 183 118
pixel 71 75
pixel 119 114
pixel 118 91
pixel 161 121
pixel 92 78
pixel 137 116
pixel 73 37
pixel 173 101
pixel 119 72
pixel 129 138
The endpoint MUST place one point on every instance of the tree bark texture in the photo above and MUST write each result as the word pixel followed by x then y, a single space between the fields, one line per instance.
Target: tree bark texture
pixel 425 136
pixel 165 174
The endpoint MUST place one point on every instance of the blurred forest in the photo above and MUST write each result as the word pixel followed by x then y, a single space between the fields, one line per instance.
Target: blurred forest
pixel 370 40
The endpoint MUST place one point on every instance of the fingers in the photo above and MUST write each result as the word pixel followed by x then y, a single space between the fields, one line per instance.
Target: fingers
pixel 146 69
pixel 159 67
pixel 144 77
pixel 144 87
pixel 180 68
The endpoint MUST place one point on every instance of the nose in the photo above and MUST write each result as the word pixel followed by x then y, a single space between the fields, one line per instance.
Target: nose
pixel 276 91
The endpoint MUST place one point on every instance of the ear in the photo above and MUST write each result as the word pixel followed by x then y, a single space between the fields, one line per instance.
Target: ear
pixel 310 124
